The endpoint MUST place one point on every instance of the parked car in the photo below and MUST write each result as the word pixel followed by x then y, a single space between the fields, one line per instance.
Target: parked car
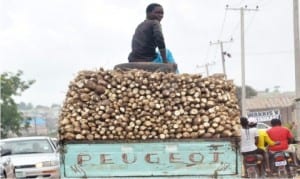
pixel 7 169
pixel 33 157
pixel 261 125
pixel 55 142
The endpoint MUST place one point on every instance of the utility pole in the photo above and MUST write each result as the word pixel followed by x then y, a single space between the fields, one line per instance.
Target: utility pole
pixel 222 53
pixel 242 9
pixel 206 65
pixel 297 67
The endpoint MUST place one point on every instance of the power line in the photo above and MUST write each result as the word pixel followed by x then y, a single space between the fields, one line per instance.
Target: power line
pixel 250 23
pixel 266 3
pixel 237 25
pixel 240 2
pixel 207 52
pixel 215 55
pixel 272 52
pixel 223 23
pixel 233 32
pixel 234 29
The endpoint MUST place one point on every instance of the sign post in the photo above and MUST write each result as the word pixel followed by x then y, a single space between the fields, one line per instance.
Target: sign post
pixel 263 116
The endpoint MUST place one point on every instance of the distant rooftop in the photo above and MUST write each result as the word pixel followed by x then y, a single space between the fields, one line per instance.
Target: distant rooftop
pixel 270 100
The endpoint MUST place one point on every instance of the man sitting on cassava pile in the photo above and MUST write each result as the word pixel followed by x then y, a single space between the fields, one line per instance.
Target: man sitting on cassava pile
pixel 148 36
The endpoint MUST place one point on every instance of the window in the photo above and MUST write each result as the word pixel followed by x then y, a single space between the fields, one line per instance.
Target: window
pixel 29 146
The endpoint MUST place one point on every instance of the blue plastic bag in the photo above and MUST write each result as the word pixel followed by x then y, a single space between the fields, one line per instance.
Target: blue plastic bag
pixel 170 58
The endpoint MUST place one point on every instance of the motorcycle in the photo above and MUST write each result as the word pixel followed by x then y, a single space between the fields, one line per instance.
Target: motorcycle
pixel 282 164
pixel 253 165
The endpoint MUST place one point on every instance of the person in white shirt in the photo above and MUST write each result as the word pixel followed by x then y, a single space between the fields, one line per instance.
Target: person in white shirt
pixel 249 139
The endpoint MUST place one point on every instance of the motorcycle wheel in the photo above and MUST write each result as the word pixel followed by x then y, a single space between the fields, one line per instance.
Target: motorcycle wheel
pixel 292 171
pixel 252 172
pixel 282 172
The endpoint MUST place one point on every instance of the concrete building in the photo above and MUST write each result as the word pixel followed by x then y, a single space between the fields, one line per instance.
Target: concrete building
pixel 44 120
pixel 266 106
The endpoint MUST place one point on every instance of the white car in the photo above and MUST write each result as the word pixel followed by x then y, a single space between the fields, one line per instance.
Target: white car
pixel 7 169
pixel 55 142
pixel 33 157
pixel 261 125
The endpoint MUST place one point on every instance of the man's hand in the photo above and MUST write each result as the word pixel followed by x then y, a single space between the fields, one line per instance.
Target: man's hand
pixel 277 142
pixel 163 54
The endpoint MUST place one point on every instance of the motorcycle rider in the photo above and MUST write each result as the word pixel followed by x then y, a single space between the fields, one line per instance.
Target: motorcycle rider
pixel 284 135
pixel 249 139
pixel 263 139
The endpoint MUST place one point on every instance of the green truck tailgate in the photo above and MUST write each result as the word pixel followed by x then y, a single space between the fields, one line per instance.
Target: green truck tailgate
pixel 91 159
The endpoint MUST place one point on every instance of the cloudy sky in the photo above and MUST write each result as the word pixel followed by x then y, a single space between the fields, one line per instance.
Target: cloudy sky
pixel 51 40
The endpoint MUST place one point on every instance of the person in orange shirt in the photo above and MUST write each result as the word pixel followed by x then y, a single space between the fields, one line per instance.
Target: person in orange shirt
pixel 284 135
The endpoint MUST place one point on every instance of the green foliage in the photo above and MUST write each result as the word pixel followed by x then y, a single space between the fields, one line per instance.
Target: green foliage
pixel 250 92
pixel 11 119
pixel 24 106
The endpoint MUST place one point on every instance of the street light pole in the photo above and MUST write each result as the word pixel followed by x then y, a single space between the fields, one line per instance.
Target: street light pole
pixel 243 64
pixel 297 67
pixel 223 59
pixel 243 100
pixel 222 53
pixel 206 67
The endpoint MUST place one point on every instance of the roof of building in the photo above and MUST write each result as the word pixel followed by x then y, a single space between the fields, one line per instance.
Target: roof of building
pixel 271 100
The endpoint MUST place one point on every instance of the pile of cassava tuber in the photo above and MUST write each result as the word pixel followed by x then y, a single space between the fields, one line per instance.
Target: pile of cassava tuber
pixel 140 105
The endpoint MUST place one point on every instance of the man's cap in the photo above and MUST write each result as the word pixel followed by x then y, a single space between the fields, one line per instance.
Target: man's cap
pixel 252 120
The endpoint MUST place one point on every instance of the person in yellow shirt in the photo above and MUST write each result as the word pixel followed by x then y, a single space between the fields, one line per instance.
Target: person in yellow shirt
pixel 263 141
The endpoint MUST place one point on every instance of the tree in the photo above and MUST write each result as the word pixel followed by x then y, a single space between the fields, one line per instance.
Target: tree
pixel 24 106
pixel 250 92
pixel 267 90
pixel 12 85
